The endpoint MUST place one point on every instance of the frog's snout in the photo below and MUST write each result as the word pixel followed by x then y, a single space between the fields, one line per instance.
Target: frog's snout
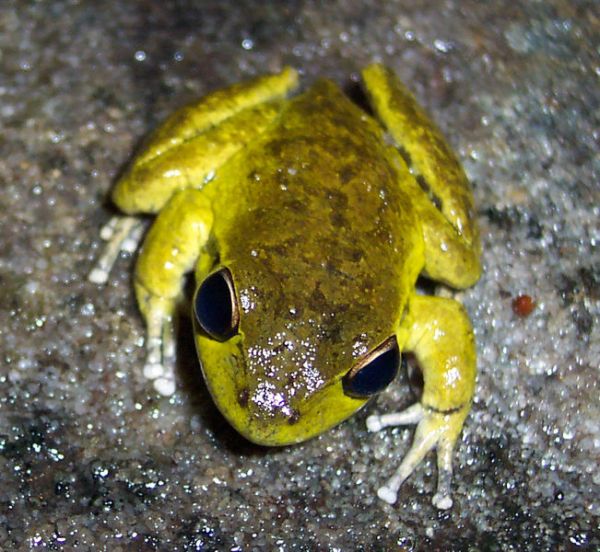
pixel 266 415
pixel 267 402
pixel 260 424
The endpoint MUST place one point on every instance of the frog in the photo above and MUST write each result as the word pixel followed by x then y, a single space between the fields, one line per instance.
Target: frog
pixel 307 219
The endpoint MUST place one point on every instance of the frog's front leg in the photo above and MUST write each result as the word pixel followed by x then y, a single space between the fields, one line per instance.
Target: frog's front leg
pixel 171 248
pixel 439 334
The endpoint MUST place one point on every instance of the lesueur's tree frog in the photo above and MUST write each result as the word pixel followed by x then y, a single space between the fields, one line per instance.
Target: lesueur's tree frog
pixel 307 222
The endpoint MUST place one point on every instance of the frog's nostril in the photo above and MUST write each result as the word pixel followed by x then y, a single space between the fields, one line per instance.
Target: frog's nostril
pixel 294 417
pixel 242 397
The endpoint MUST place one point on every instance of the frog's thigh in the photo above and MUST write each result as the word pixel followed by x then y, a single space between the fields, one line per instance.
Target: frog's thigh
pixel 171 248
pixel 214 108
pixel 434 162
pixel 150 181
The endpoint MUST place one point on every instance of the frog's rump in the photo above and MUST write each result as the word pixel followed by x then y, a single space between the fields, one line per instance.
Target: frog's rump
pixel 320 201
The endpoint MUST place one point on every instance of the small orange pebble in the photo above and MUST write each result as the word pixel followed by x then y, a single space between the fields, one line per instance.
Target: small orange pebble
pixel 523 305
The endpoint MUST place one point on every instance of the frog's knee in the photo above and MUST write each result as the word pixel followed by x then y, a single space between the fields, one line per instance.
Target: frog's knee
pixel 135 193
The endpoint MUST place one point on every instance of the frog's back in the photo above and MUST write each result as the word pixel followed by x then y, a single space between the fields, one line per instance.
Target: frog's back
pixel 315 206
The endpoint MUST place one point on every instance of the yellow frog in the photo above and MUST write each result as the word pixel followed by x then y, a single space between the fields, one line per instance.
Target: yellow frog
pixel 307 222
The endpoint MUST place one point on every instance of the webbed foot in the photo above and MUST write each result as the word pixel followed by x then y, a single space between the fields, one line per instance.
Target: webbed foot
pixel 160 358
pixel 122 233
pixel 439 430
pixel 160 339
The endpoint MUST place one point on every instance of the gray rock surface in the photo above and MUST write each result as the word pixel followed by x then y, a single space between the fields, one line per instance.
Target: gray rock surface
pixel 92 459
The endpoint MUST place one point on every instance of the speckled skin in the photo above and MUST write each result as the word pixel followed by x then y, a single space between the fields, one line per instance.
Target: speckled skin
pixel 314 255
pixel 324 230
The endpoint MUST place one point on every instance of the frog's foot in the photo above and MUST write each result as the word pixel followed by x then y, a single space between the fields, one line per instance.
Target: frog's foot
pixel 435 429
pixel 160 348
pixel 122 233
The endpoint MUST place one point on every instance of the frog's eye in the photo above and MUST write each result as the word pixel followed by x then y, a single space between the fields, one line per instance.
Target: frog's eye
pixel 375 371
pixel 215 306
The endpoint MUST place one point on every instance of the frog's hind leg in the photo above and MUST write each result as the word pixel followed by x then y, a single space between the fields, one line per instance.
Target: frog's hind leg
pixel 440 336
pixel 189 147
pixel 122 233
pixel 436 182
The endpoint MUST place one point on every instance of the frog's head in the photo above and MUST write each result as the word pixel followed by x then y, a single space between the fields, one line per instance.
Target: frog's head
pixel 287 358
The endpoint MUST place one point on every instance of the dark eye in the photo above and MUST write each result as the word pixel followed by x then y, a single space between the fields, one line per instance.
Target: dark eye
pixel 215 306
pixel 375 371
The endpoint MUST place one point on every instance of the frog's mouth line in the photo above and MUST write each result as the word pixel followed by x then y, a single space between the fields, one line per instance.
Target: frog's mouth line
pixel 283 424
